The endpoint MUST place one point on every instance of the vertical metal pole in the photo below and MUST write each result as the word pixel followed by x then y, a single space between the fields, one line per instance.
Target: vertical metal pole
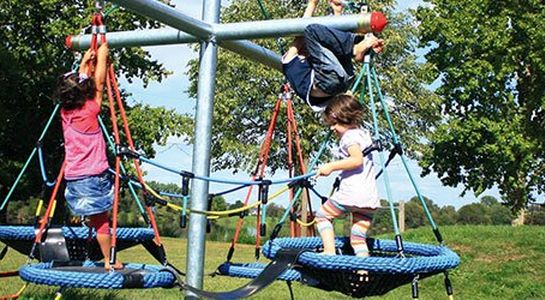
pixel 201 151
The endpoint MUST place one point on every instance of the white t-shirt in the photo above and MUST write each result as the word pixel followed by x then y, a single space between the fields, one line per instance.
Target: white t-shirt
pixel 358 187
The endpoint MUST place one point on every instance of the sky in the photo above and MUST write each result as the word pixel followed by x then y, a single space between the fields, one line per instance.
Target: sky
pixel 171 93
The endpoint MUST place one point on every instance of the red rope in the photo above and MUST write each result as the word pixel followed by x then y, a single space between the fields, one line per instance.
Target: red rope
pixel 290 173
pixel 263 158
pixel 113 91
pixel 123 114
pixel 261 165
pixel 302 165
pixel 117 140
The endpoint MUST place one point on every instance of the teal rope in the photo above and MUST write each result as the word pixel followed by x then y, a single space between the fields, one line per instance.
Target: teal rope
pixel 30 157
pixel 123 170
pixel 266 16
pixel 43 168
pixel 403 159
pixel 386 179
pixel 185 200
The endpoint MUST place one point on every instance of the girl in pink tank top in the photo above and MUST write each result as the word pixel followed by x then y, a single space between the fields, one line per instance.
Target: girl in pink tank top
pixel 89 190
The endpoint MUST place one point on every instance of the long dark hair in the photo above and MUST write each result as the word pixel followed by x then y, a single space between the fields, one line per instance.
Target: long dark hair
pixel 344 109
pixel 74 89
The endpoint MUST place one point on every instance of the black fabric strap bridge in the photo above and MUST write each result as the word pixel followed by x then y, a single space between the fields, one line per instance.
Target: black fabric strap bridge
pixel 284 260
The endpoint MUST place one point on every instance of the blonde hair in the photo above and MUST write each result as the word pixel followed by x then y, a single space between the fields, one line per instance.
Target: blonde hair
pixel 344 109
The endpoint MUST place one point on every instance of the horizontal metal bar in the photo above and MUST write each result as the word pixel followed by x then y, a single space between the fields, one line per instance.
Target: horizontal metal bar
pixel 231 31
pixel 136 38
pixel 362 23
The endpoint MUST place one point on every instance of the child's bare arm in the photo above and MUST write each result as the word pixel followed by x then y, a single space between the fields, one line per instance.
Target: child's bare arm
pixel 311 7
pixel 353 161
pixel 297 47
pixel 84 64
pixel 100 72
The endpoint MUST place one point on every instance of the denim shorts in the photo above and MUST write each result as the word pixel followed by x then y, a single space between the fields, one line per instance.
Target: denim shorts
pixel 90 195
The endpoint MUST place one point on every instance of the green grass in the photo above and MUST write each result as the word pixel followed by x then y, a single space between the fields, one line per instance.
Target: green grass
pixel 497 263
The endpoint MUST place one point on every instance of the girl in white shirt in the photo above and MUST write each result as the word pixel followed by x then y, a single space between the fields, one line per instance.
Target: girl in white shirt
pixel 357 192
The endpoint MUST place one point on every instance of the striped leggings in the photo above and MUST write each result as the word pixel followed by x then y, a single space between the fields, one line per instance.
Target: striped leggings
pixel 362 219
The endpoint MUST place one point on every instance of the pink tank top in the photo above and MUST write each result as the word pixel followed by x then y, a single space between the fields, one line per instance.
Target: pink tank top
pixel 84 144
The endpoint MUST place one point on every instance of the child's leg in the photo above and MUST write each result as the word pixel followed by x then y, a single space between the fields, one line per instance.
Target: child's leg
pixel 327 212
pixel 330 52
pixel 101 223
pixel 358 236
pixel 340 43
pixel 296 48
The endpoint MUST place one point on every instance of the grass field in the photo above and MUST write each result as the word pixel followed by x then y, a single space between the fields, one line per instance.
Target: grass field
pixel 497 263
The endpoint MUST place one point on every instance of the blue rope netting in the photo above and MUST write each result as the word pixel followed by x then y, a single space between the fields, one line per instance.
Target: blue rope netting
pixel 93 275
pixel 252 270
pixel 10 232
pixel 419 258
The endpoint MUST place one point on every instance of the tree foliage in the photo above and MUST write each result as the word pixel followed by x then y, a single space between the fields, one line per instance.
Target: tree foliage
pixel 246 91
pixel 32 56
pixel 489 211
pixel 489 60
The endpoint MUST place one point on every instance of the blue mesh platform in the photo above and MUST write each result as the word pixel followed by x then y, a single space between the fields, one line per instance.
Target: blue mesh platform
pixel 93 275
pixel 23 233
pixel 21 239
pixel 385 270
pixel 419 258
pixel 252 270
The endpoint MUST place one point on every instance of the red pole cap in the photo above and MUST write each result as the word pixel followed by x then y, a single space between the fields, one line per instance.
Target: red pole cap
pixel 68 42
pixel 378 21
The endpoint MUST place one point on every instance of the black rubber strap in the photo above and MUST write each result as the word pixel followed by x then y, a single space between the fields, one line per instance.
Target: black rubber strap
pixel 3 252
pixel 284 260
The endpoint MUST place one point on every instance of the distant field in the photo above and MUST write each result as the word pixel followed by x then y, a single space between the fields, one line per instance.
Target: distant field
pixel 497 263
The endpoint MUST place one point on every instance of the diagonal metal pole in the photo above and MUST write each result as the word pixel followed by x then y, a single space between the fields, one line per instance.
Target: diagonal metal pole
pixel 163 13
pixel 201 162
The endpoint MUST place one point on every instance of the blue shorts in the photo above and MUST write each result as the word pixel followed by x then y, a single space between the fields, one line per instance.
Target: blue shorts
pixel 90 195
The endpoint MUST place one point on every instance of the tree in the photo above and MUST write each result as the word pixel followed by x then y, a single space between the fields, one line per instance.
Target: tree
pixel 536 215
pixel 414 212
pixel 219 204
pixel 473 214
pixel 499 214
pixel 275 210
pixel 245 91
pixel 31 58
pixel 489 62
pixel 489 200
pixel 447 215
pixel 237 204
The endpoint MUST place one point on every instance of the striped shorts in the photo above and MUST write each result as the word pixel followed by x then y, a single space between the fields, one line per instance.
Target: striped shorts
pixel 361 221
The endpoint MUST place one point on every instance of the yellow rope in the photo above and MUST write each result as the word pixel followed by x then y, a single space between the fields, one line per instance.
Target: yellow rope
pixel 21 290
pixel 153 192
pixel 53 208
pixel 58 295
pixel 306 224
pixel 39 208
pixel 217 214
